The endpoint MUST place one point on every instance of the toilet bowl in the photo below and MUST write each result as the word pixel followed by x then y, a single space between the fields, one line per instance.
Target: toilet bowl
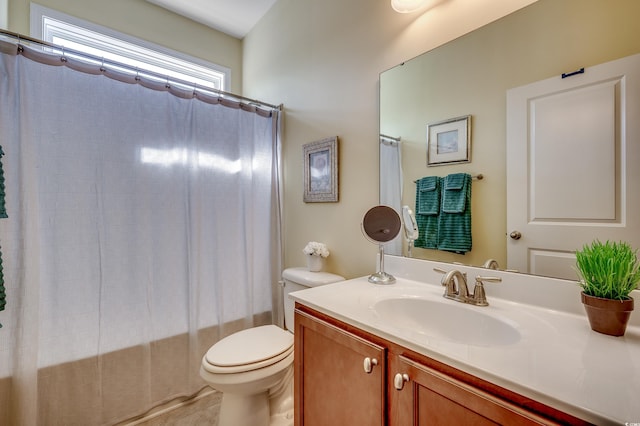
pixel 253 368
pixel 245 366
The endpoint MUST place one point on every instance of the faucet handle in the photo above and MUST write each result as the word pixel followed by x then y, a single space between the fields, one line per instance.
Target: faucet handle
pixel 479 296
pixel 480 279
pixel 450 290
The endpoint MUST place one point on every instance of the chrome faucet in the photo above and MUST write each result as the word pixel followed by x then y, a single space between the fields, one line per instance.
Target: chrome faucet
pixel 455 283
pixel 491 264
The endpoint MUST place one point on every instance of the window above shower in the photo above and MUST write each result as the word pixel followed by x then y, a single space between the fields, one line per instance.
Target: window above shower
pixel 78 35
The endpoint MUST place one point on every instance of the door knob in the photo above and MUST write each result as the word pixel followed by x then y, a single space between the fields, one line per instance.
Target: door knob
pixel 399 379
pixel 369 363
pixel 516 235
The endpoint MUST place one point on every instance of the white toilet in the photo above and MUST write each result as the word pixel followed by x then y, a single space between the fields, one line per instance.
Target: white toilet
pixel 254 367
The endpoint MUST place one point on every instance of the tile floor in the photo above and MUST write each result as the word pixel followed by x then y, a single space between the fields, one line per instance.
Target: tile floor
pixel 203 410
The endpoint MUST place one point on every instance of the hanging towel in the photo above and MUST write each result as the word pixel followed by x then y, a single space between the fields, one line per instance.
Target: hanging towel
pixel 428 195
pixel 454 222
pixel 454 195
pixel 427 210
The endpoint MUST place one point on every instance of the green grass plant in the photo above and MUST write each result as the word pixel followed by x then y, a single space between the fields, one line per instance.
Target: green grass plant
pixel 609 270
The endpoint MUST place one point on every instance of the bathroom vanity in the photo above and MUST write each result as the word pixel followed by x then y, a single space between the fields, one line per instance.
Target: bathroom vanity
pixel 402 354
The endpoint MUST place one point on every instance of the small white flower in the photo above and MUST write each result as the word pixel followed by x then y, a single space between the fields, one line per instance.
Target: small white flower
pixel 316 249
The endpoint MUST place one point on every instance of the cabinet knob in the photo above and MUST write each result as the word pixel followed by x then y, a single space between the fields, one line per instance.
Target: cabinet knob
pixel 399 379
pixel 369 363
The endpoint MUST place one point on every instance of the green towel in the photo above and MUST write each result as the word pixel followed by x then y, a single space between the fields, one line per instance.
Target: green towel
pixel 454 224
pixel 427 210
pixel 428 195
pixel 454 193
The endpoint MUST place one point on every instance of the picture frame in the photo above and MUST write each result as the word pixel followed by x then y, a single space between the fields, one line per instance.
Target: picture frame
pixel 320 160
pixel 449 141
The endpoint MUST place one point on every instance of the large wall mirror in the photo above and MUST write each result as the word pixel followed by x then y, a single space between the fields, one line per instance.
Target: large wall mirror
pixel 471 76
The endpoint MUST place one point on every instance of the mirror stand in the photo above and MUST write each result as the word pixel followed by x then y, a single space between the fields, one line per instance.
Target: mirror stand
pixel 381 277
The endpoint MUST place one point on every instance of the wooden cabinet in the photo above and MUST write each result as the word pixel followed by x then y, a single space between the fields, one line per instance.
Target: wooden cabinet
pixel 345 376
pixel 339 376
pixel 426 396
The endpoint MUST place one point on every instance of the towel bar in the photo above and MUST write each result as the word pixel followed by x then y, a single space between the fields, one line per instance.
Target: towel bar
pixel 474 177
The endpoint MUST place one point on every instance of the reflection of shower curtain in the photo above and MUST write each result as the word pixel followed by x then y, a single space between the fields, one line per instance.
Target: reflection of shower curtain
pixel 391 185
pixel 142 228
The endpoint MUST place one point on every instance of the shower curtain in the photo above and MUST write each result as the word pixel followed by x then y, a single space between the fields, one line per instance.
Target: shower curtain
pixel 142 228
pixel 391 186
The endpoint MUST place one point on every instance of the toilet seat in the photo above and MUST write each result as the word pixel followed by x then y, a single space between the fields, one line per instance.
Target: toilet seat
pixel 248 350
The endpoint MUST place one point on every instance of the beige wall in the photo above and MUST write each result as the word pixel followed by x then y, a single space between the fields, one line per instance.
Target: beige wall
pixel 322 59
pixel 141 19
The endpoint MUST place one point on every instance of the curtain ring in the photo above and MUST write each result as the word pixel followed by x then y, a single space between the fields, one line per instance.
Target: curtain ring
pixel 195 89
pixel 167 85
pixel 137 74
pixel 102 68
pixel 63 58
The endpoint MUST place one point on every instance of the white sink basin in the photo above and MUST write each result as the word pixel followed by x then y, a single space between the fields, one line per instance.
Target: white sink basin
pixel 444 320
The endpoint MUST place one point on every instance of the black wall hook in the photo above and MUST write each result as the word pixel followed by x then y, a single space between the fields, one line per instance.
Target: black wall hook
pixel 580 71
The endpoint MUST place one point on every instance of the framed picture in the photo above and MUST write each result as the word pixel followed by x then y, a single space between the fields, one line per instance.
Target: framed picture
pixel 321 171
pixel 449 141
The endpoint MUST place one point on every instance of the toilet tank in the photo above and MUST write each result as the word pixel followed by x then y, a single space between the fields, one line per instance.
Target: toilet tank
pixel 295 279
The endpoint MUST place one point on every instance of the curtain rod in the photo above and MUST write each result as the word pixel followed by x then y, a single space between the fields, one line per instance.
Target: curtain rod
pixel 390 138
pixel 20 37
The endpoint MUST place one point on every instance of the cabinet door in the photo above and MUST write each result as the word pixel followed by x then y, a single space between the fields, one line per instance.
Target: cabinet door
pixel 339 377
pixel 429 397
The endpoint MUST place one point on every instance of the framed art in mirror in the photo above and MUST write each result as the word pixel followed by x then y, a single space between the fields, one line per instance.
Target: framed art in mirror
pixel 449 141
pixel 321 171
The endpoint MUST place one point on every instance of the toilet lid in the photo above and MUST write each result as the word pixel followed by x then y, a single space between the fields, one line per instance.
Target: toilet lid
pixel 251 346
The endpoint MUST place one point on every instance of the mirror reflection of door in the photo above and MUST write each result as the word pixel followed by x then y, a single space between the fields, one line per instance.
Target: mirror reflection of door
pixel 573 165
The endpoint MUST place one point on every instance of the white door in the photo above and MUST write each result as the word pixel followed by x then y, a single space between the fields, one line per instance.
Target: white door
pixel 573 166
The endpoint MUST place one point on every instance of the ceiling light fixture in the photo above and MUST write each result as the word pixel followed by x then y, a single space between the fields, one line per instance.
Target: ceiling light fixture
pixel 408 6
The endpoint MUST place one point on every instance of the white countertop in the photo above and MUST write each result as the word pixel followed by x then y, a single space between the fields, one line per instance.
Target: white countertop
pixel 558 360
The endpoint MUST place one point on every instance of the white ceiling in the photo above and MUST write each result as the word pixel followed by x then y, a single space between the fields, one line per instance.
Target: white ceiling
pixel 233 17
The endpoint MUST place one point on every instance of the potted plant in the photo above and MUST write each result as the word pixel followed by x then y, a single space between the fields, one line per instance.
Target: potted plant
pixel 608 273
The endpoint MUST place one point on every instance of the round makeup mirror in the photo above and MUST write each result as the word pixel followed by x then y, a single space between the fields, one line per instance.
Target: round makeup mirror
pixel 380 225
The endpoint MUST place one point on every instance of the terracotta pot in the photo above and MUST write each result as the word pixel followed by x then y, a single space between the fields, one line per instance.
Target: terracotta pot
pixel 607 316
